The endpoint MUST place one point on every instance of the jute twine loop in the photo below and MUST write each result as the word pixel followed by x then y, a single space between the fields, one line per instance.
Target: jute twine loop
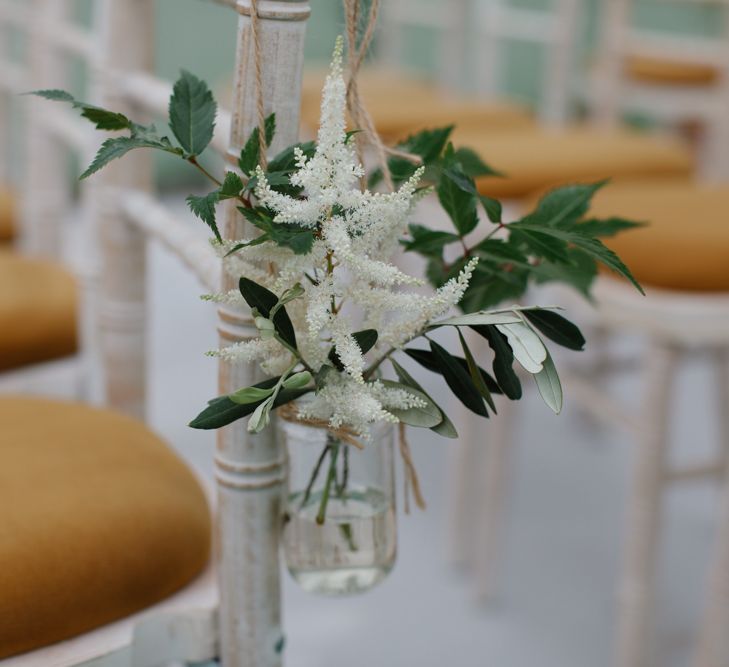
pixel 257 63
pixel 290 414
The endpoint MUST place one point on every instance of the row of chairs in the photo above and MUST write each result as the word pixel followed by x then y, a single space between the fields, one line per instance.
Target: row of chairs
pixel 536 156
pixel 676 182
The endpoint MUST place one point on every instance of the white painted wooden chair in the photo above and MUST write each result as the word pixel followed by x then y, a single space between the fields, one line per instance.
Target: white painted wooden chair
pixel 673 78
pixel 244 628
pixel 47 139
pixel 682 313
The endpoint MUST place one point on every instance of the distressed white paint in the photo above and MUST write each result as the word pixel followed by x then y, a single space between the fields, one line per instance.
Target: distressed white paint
pixel 250 468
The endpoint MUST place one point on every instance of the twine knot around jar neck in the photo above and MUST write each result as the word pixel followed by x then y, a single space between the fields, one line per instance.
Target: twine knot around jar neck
pixel 290 414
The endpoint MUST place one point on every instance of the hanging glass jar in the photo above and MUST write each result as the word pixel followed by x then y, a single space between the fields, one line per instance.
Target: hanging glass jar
pixel 339 531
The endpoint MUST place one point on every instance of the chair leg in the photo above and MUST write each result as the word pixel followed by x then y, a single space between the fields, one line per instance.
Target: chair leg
pixel 492 496
pixel 637 585
pixel 713 643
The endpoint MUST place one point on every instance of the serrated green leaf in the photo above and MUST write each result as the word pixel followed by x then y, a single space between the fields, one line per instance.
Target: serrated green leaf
pixel 556 328
pixel 459 205
pixel 607 226
pixel 472 164
pixel 549 385
pixel 285 161
pixel 428 242
pixel 592 246
pixel 494 209
pixel 102 118
pixel 113 149
pixel 231 187
pixel 539 243
pixel 192 111
pixel 203 206
pixel 250 156
pixel 564 204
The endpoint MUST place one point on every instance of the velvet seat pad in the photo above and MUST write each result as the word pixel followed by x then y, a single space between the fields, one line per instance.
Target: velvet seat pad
pixel 38 307
pixel 7 215
pixel 400 105
pixel 685 246
pixel 534 159
pixel 98 520
pixel 670 72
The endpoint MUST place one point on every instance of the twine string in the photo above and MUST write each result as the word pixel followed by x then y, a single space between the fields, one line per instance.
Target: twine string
pixel 258 65
pixel 412 482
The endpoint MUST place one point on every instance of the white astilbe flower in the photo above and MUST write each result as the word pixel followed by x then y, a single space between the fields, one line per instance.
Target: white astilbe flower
pixel 342 280
pixel 348 351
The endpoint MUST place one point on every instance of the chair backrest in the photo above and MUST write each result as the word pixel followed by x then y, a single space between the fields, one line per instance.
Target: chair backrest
pixel 555 29
pixel 624 40
pixel 249 468
pixel 445 23
pixel 51 40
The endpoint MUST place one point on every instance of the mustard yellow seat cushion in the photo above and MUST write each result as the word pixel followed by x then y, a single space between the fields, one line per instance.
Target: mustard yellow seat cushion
pixel 38 305
pixel 686 244
pixel 534 159
pixel 7 215
pixel 670 72
pixel 98 519
pixel 401 105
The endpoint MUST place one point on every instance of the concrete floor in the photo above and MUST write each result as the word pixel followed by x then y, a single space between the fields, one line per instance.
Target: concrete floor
pixel 561 555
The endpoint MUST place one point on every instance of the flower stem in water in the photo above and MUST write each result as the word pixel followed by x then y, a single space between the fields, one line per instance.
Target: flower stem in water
pixel 331 475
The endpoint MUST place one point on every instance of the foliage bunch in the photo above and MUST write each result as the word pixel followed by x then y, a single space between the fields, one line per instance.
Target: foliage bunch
pixel 332 309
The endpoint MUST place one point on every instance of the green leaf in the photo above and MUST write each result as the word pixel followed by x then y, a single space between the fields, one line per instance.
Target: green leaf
pixel 428 242
pixel 460 178
pixel 113 149
pixel 222 411
pixel 232 185
pixel 261 416
pixel 297 380
pixel 366 339
pixel 475 373
pixel 250 395
pixel 557 328
pixel 103 119
pixel 458 380
pixel 428 144
pixel 250 155
pixel 580 271
pixel 607 227
pixel 288 235
pixel 257 296
pixel 472 164
pixel 503 360
pixel 539 243
pixel 427 360
pixel 445 428
pixel 591 246
pixel 459 205
pixel 527 347
pixel 425 417
pixel 203 206
pixel 285 161
pixel 565 204
pixel 192 112
pixel 549 385
pixel 493 208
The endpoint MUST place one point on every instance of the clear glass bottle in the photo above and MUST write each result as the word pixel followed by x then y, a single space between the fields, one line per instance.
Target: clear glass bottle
pixel 339 531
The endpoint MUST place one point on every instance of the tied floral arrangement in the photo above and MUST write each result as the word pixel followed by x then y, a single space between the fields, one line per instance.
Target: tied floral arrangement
pixel 336 317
